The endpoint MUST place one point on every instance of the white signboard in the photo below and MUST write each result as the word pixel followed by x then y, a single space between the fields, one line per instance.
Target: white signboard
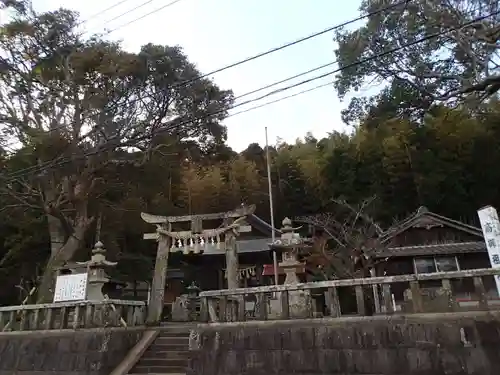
pixel 488 217
pixel 71 287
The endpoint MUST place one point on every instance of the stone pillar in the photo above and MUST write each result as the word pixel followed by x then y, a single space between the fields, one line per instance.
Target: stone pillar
pixel 232 264
pixel 156 301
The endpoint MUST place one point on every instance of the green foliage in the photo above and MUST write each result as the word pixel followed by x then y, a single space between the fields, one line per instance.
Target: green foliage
pixel 452 66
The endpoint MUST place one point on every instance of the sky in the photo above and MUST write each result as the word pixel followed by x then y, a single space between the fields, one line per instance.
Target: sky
pixel 216 33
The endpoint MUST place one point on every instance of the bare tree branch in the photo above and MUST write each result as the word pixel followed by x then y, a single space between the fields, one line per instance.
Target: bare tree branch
pixel 350 243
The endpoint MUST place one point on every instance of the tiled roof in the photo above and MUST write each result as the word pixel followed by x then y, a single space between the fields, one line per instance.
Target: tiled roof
pixel 434 249
pixel 423 213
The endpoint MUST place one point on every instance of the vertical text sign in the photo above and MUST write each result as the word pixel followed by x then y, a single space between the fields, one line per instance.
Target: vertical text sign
pixel 71 287
pixel 488 217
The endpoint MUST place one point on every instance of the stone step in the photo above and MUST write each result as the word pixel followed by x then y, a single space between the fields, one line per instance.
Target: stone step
pixel 159 370
pixel 171 344
pixel 174 354
pixel 162 362
pixel 173 338
pixel 175 331
pixel 162 349
pixel 168 346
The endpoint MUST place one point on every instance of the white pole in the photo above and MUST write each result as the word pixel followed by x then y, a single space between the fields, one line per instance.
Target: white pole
pixel 271 209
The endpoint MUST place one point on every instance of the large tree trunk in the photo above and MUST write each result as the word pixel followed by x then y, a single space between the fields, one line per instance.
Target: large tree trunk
pixel 56 233
pixel 60 255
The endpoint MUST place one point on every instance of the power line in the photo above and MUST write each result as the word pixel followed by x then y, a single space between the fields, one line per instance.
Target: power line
pixel 295 42
pixel 287 79
pixel 269 85
pixel 262 54
pixel 253 92
pixel 357 63
pixel 108 32
pixel 292 86
pixel 330 83
pixel 55 162
pixel 141 17
pixel 247 93
pixel 275 49
pixel 129 11
pixel 103 11
pixel 112 30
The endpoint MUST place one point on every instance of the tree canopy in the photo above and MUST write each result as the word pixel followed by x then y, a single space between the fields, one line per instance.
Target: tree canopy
pixel 80 107
pixel 453 57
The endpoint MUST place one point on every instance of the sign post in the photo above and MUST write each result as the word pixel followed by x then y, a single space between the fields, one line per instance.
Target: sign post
pixel 490 224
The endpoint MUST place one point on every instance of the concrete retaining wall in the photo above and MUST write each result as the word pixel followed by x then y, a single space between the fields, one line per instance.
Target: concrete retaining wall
pixel 430 344
pixel 86 352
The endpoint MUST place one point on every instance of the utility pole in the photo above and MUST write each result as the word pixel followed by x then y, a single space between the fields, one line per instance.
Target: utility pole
pixel 271 209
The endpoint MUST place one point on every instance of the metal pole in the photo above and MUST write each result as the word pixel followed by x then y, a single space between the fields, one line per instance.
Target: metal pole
pixel 271 209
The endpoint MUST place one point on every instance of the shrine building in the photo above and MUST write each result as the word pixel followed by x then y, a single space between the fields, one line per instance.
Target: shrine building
pixel 426 242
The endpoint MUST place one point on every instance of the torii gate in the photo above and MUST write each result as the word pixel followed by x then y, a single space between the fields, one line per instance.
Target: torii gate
pixel 195 240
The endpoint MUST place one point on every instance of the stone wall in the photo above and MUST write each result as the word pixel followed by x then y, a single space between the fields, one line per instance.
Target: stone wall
pixel 86 352
pixel 430 344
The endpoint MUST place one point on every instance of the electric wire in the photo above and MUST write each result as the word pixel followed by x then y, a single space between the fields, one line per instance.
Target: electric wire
pixel 142 17
pixel 254 91
pixel 110 31
pixel 276 49
pixel 293 43
pixel 103 11
pixel 415 42
pixel 357 63
pixel 56 162
pixel 129 11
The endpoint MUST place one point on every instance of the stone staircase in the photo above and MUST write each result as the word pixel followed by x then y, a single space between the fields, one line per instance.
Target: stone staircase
pixel 168 354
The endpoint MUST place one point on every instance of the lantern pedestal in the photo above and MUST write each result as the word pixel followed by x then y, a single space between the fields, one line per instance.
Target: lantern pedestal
pixel 297 299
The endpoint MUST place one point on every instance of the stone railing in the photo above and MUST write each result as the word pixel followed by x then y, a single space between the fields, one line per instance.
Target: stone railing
pixel 335 298
pixel 72 315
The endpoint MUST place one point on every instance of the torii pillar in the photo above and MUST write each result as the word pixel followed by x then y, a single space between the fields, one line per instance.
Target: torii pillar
pixel 157 295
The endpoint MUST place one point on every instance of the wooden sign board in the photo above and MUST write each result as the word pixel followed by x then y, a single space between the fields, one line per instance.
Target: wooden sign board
pixel 71 287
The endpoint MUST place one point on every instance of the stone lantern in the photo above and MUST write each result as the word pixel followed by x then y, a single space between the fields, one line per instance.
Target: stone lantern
pixel 97 276
pixel 289 245
pixel 193 293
